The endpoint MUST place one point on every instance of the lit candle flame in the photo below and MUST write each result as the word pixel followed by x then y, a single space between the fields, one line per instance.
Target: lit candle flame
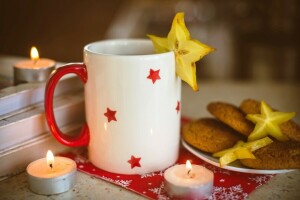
pixel 188 166
pixel 34 54
pixel 50 159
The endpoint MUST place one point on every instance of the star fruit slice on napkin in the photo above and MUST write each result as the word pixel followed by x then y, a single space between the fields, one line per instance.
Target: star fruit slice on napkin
pixel 187 51
pixel 267 123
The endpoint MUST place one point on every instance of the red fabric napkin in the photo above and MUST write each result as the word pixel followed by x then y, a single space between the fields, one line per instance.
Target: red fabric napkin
pixel 227 184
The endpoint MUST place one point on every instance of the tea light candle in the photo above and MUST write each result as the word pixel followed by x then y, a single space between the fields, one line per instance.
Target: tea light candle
pixel 33 70
pixel 188 182
pixel 51 175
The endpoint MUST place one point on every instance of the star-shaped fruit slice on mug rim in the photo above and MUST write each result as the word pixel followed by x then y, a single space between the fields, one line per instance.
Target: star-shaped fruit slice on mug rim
pixel 187 51
pixel 267 123
pixel 241 150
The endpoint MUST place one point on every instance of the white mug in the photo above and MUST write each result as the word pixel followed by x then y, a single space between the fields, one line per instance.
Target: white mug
pixel 132 100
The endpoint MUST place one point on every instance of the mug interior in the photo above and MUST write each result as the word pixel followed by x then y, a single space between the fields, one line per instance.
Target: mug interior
pixel 121 47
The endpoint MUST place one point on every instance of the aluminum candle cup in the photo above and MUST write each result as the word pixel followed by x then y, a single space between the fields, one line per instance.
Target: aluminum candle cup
pixel 47 180
pixel 27 71
pixel 183 183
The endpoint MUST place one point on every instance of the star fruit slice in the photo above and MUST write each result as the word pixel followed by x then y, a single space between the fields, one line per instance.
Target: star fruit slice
pixel 267 123
pixel 241 150
pixel 241 153
pixel 187 51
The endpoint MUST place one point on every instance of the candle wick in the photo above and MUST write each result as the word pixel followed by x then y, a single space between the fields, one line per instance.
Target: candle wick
pixel 51 165
pixel 189 172
pixel 35 61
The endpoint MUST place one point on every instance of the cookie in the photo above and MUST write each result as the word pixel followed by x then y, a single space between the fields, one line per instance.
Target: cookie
pixel 210 135
pixel 250 106
pixel 277 155
pixel 232 116
pixel 289 128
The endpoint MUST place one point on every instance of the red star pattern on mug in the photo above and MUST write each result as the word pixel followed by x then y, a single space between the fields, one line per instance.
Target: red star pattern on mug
pixel 178 106
pixel 110 114
pixel 134 161
pixel 154 75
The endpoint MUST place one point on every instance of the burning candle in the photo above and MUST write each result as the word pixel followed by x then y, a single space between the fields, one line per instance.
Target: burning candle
pixel 51 175
pixel 33 70
pixel 188 181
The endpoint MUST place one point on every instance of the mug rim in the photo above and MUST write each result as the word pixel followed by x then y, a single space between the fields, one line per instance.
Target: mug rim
pixel 87 48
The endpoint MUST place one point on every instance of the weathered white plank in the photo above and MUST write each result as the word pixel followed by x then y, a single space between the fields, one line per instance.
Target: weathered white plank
pixel 30 122
pixel 17 97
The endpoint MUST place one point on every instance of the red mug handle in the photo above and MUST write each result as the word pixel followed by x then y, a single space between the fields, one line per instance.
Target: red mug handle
pixel 82 139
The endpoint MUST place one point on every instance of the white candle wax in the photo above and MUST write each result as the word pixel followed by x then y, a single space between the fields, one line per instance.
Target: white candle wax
pixel 184 184
pixel 35 64
pixel 47 180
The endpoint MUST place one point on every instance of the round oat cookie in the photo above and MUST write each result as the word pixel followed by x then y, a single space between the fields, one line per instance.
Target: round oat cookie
pixel 289 128
pixel 210 135
pixel 250 106
pixel 232 116
pixel 277 155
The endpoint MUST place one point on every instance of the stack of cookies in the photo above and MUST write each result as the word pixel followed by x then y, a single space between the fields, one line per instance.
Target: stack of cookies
pixel 230 125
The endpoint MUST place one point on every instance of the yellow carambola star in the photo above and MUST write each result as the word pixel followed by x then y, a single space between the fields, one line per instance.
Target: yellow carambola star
pixel 267 123
pixel 187 51
pixel 241 150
